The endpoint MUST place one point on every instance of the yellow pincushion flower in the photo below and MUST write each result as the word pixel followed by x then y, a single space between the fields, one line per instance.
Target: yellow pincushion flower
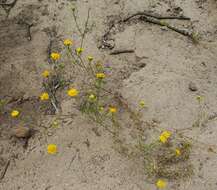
pixel 72 92
pixel 164 136
pixel 55 56
pixel 79 50
pixel 46 74
pixel 100 75
pixel 15 113
pixel 167 134
pixel 163 139
pixel 178 152
pixel 67 42
pixel 161 184
pixel 52 149
pixel 112 110
pixel 44 96
pixel 90 58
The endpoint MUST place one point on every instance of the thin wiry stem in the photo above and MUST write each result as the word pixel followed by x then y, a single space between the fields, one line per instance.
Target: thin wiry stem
pixel 76 22
pixel 85 28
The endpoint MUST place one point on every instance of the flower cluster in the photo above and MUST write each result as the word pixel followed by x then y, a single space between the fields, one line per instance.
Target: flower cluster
pixel 55 56
pixel 164 137
pixel 15 113
pixel 112 110
pixel 100 75
pixel 52 149
pixel 46 74
pixel 67 42
pixel 44 96
pixel 161 184
pixel 72 92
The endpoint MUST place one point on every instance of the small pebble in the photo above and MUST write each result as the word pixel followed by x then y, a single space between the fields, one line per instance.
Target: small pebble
pixel 192 86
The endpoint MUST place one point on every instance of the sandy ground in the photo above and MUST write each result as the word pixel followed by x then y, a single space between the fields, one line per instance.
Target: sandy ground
pixel 159 72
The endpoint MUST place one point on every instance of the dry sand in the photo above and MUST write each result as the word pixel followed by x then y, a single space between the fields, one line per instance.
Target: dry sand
pixel 159 72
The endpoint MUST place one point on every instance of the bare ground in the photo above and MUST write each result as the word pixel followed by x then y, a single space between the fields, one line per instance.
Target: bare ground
pixel 159 71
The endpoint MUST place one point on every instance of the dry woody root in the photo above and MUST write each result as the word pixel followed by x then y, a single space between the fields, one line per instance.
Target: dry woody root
pixel 154 19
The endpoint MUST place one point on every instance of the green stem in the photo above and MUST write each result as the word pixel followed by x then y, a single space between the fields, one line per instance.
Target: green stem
pixel 85 28
pixel 91 68
pixel 82 63
pixel 76 61
pixel 76 23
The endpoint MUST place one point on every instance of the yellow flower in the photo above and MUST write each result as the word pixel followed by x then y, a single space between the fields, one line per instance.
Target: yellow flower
pixel 178 152
pixel 112 110
pixel 199 98
pixel 142 104
pixel 44 96
pixel 92 97
pixel 161 184
pixel 15 113
pixel 165 136
pixel 163 139
pixel 79 50
pixel 90 58
pixel 46 74
pixel 72 92
pixel 101 108
pixel 55 123
pixel 55 56
pixel 67 42
pixel 52 149
pixel 100 75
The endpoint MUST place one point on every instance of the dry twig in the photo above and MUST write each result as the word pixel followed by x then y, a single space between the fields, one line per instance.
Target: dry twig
pixel 162 23
pixel 154 19
pixel 116 52
pixel 4 171
pixel 156 16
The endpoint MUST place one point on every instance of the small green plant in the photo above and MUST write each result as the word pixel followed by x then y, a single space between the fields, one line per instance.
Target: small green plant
pixel 167 158
pixel 2 105
pixel 202 116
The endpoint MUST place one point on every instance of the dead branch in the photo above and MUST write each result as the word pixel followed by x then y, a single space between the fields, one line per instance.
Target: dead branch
pixel 29 36
pixel 162 23
pixel 4 170
pixel 154 19
pixel 72 159
pixel 156 16
pixel 105 36
pixel 116 52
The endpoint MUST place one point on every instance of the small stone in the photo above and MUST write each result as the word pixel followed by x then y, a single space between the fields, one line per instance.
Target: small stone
pixel 192 86
pixel 141 64
pixel 117 2
pixel 21 132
